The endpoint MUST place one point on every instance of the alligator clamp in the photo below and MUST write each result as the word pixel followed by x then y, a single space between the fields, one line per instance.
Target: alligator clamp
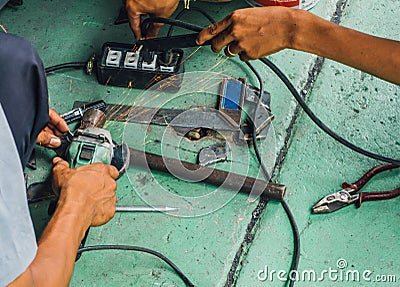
pixel 349 194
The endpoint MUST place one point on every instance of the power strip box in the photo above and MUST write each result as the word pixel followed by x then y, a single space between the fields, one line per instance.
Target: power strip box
pixel 126 65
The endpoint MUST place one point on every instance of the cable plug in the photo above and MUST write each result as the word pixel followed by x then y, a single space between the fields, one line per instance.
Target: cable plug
pixel 166 58
pixel 147 55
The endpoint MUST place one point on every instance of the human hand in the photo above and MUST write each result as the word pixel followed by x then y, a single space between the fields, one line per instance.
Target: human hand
pixel 153 8
pixel 252 33
pixel 87 191
pixel 50 135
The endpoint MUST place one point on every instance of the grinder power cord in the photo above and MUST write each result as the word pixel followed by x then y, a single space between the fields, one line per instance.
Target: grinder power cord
pixel 292 221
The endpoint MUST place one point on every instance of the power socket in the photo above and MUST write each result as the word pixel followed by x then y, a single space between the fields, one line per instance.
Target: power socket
pixel 131 60
pixel 113 58
pixel 121 65
pixel 149 64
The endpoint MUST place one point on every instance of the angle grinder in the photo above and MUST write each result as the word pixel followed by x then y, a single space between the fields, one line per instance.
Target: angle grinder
pixel 91 143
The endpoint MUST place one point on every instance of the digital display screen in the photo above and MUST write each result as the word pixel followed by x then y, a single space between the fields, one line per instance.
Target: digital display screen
pixel 231 97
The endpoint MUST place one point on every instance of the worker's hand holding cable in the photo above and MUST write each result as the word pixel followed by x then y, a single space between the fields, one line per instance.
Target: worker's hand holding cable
pixel 153 8
pixel 253 33
pixel 88 191
pixel 50 135
pixel 257 32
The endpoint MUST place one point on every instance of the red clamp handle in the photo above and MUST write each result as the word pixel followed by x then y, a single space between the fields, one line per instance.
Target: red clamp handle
pixel 374 196
pixel 368 175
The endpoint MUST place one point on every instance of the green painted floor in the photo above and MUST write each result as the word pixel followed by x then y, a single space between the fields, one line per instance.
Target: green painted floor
pixel 236 242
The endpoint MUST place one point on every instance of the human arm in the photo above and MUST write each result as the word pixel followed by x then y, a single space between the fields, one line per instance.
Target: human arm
pixel 153 8
pixel 258 32
pixel 83 202
pixel 50 135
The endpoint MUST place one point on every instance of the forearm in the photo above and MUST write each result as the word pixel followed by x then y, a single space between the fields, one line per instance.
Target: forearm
pixel 83 202
pixel 377 56
pixel 57 248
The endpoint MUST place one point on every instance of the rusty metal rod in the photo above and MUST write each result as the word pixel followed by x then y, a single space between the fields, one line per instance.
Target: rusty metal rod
pixel 194 172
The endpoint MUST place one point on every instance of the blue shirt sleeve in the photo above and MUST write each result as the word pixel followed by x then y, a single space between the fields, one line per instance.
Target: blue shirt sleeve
pixel 17 238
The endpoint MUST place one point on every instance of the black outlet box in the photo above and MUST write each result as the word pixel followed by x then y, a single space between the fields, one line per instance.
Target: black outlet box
pixel 125 65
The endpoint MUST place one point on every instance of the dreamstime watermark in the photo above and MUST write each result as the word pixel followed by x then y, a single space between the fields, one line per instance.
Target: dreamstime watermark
pixel 340 273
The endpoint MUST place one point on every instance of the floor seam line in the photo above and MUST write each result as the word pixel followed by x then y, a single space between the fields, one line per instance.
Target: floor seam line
pixel 313 74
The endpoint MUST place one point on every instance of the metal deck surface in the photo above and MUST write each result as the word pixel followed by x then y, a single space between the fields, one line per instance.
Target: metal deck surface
pixel 239 242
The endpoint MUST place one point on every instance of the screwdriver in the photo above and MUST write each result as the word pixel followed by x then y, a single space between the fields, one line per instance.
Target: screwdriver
pixel 144 208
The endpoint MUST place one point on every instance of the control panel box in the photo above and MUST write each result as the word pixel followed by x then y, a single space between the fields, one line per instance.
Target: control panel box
pixel 126 65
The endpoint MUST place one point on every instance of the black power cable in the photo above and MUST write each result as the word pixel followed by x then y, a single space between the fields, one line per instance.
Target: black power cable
pixel 318 122
pixel 296 242
pixel 295 230
pixel 141 249
pixel 146 22
pixel 184 11
pixel 75 65
pixel 255 144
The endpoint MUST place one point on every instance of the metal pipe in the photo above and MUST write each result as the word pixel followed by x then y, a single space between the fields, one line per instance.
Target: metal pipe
pixel 195 172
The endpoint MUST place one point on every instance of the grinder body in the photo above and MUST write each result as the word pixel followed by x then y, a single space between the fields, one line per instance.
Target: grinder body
pixel 90 145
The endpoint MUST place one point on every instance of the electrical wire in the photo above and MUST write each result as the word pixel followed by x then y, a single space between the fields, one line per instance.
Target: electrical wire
pixel 75 65
pixel 141 249
pixel 185 11
pixel 318 122
pixel 295 229
pixel 296 242
pixel 254 138
pixel 146 22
